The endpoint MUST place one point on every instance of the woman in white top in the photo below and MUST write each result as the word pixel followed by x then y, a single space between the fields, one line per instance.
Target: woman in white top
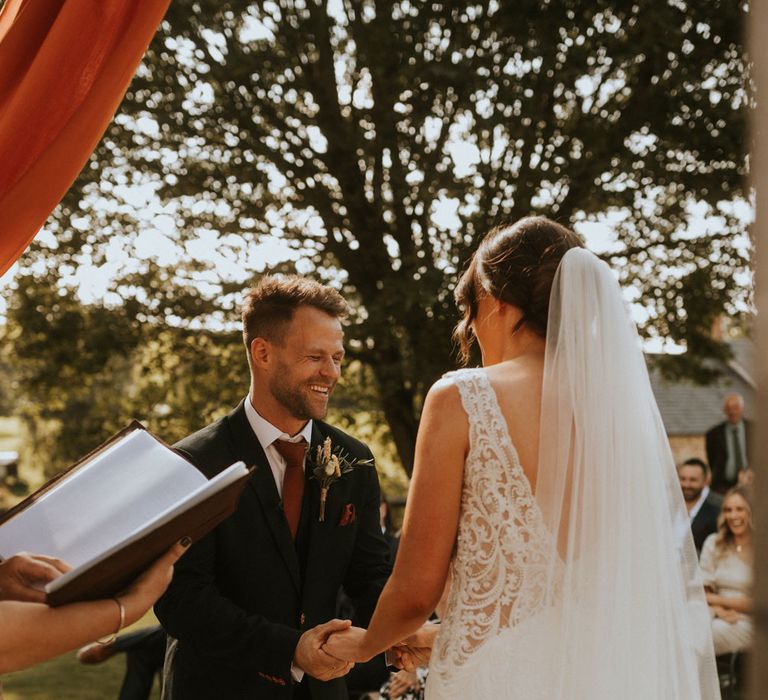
pixel 726 562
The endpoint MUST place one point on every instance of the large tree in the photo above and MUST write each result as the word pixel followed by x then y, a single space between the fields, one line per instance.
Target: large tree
pixel 383 138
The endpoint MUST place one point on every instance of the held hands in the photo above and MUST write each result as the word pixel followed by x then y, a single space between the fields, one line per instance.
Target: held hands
pixel 347 644
pixel 313 656
pixel 23 576
pixel 415 650
pixel 412 652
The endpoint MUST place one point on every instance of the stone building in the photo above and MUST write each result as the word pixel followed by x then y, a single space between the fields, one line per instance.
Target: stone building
pixel 689 410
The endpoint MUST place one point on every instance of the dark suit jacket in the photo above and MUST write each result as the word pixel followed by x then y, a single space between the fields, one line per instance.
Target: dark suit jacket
pixel 242 596
pixel 705 522
pixel 717 454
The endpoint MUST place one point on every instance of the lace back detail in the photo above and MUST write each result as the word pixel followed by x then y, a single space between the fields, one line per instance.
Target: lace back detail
pixel 502 550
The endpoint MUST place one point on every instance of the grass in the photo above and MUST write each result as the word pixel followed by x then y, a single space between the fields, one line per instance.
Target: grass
pixel 65 678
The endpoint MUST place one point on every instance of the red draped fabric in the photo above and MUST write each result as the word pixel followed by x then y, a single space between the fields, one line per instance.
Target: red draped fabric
pixel 64 68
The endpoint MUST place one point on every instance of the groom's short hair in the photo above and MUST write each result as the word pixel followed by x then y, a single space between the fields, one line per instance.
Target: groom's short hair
pixel 269 306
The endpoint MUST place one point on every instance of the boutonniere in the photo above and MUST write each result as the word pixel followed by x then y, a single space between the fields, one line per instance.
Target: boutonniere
pixel 329 465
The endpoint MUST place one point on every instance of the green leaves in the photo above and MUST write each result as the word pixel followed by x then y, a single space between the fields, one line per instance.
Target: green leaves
pixel 379 140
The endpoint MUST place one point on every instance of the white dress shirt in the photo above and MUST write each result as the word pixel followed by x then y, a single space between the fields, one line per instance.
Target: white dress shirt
pixel 693 512
pixel 266 434
pixel 735 441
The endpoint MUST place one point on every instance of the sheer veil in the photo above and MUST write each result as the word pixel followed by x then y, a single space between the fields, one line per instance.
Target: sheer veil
pixel 632 619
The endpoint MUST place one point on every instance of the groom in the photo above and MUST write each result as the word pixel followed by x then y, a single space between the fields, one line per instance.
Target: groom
pixel 252 603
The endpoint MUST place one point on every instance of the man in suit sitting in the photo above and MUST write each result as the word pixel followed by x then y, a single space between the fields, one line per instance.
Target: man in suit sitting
pixel 252 603
pixel 703 505
pixel 729 448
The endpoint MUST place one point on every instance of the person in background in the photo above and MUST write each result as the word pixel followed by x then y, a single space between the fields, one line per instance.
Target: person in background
pixel 728 447
pixel 703 505
pixel 31 632
pixel 726 563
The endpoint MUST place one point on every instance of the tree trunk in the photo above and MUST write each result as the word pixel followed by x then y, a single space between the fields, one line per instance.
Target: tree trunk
pixel 403 424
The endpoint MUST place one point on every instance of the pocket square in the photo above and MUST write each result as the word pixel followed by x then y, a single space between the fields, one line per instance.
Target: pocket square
pixel 348 515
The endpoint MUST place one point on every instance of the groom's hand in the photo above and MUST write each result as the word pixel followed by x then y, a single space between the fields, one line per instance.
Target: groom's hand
pixel 313 660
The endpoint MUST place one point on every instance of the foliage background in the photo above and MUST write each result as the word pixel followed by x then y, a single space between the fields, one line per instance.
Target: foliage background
pixel 376 142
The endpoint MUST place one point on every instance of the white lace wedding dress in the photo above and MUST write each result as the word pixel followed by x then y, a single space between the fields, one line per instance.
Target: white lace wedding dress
pixel 615 609
pixel 496 628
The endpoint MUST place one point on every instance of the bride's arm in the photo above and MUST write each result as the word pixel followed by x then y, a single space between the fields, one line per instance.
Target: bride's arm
pixel 429 530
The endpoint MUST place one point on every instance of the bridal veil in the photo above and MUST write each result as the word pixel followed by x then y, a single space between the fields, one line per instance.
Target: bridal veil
pixel 631 617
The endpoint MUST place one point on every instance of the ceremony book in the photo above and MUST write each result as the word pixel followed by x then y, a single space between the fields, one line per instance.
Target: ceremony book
pixel 111 514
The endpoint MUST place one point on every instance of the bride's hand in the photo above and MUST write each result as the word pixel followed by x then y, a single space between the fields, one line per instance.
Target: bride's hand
pixel 416 649
pixel 424 637
pixel 409 658
pixel 346 645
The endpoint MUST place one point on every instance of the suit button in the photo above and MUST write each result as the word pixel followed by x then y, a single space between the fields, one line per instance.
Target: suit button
pixel 301 619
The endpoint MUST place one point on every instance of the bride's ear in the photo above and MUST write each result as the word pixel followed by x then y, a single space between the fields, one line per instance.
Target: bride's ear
pixel 507 311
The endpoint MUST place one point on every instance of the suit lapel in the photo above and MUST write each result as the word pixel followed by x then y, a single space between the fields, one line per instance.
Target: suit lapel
pixel 249 450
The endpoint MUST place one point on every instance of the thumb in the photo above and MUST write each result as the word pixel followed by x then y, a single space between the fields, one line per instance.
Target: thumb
pixel 175 552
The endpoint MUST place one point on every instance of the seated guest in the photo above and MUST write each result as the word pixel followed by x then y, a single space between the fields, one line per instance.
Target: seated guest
pixel 144 657
pixel 726 562
pixel 31 632
pixel 703 505
pixel 405 685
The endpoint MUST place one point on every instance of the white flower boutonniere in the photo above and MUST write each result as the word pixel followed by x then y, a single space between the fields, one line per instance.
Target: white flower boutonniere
pixel 329 465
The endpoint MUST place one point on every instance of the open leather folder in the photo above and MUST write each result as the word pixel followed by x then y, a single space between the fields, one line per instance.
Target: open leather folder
pixel 115 511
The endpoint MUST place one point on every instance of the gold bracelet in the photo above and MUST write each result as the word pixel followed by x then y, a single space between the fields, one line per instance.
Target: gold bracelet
pixel 111 638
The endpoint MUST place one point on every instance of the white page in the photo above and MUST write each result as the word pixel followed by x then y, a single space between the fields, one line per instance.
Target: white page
pixel 104 501
pixel 216 484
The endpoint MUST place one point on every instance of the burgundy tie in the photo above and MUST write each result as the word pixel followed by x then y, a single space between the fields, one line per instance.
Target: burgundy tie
pixel 293 481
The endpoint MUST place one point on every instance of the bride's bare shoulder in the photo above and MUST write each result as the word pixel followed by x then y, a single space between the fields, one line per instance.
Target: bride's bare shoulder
pixel 443 394
pixel 443 419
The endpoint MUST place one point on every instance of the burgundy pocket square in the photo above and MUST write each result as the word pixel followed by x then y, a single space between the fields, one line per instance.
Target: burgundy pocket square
pixel 348 515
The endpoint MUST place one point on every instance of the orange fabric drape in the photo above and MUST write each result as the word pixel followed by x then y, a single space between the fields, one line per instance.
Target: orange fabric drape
pixel 64 68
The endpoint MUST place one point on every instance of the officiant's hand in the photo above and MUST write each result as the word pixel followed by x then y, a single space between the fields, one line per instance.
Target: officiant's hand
pixel 311 656
pixel 23 576
pixel 145 590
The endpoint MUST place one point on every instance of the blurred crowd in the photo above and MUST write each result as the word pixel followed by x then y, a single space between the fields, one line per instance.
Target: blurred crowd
pixel 718 498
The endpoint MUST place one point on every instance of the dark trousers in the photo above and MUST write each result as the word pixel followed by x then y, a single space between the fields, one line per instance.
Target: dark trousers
pixel 144 654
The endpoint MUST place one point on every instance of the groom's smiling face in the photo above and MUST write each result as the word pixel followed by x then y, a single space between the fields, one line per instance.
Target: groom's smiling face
pixel 306 363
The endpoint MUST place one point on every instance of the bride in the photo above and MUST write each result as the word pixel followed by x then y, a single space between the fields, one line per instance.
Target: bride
pixel 545 484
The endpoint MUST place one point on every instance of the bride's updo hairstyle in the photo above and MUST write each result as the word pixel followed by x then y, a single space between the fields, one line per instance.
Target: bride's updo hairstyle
pixel 515 264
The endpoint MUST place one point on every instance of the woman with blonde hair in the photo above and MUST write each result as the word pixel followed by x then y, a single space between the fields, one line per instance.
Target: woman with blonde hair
pixel 726 562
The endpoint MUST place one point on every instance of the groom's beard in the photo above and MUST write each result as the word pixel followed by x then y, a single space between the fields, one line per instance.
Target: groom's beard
pixel 297 397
